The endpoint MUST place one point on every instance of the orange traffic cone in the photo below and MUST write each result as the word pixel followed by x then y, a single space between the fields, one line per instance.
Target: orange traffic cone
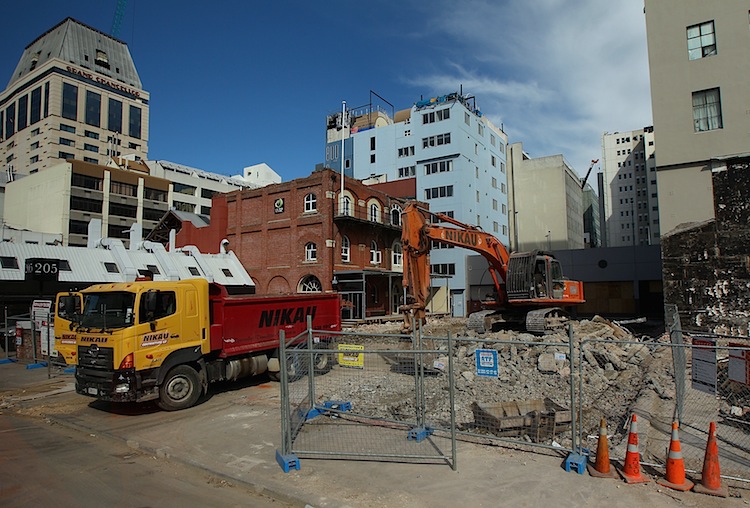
pixel 675 477
pixel 631 472
pixel 601 468
pixel 711 477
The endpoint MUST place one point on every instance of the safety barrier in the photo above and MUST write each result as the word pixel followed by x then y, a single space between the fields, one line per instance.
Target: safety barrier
pixel 348 395
pixel 550 392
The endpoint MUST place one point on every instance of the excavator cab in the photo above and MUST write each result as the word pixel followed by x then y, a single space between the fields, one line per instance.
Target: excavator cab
pixel 536 276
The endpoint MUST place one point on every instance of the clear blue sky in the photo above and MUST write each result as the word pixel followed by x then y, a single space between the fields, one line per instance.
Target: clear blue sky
pixel 236 83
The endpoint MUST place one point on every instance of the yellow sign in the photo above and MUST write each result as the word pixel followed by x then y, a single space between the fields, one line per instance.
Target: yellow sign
pixel 351 359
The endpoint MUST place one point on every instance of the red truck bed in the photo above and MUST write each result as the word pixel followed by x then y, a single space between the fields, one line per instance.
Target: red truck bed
pixel 248 323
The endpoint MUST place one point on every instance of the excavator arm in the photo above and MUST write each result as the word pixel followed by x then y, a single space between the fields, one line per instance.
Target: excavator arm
pixel 417 232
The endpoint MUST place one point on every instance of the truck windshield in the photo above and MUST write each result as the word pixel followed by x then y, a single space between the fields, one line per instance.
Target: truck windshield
pixel 108 310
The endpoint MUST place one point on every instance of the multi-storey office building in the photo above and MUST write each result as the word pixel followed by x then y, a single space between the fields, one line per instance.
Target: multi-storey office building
pixel 546 202
pixel 631 199
pixel 698 54
pixel 75 94
pixel 457 157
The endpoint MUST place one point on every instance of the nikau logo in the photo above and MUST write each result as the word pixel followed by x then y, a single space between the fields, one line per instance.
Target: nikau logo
pixel 93 339
pixel 462 237
pixel 154 339
pixel 284 317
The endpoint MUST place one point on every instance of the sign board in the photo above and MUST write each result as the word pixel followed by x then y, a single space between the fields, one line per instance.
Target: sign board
pixel 350 357
pixel 42 269
pixel 278 205
pixel 486 362
pixel 704 365
pixel 40 314
pixel 739 364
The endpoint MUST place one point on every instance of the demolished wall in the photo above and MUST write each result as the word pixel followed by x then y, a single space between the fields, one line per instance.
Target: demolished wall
pixel 707 265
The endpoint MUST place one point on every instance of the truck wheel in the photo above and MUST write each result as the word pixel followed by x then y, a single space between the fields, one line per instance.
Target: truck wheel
pixel 293 369
pixel 180 389
pixel 322 361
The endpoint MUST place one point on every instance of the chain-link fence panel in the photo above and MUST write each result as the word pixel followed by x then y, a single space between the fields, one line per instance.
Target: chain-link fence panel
pixel 365 397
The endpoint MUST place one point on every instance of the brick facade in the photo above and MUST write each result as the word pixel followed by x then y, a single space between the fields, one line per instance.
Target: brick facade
pixel 274 229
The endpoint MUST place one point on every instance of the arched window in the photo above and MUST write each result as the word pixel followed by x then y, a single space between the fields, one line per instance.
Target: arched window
pixel 396 215
pixel 397 256
pixel 311 252
pixel 374 212
pixel 311 203
pixel 309 284
pixel 345 250
pixel 347 208
pixel 376 256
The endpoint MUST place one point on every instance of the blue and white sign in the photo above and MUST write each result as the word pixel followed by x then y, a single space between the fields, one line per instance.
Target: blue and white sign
pixel 486 360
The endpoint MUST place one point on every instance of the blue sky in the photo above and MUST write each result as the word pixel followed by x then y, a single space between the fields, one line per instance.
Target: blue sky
pixel 236 83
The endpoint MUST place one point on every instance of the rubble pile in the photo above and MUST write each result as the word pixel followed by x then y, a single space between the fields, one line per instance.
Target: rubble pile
pixel 618 370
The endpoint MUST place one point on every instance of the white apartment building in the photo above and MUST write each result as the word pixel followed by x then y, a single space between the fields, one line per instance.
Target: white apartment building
pixel 631 199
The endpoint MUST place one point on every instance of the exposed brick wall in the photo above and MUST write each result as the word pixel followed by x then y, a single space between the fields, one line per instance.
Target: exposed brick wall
pixel 707 266
pixel 270 242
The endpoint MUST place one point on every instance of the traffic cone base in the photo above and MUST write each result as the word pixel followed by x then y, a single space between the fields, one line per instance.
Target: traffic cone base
pixel 722 491
pixel 598 474
pixel 684 487
pixel 675 474
pixel 602 468
pixel 629 478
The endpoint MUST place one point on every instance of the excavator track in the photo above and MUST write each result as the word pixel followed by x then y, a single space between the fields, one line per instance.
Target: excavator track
pixel 549 319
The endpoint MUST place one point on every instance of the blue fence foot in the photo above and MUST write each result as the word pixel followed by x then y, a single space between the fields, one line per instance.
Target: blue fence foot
pixel 69 370
pixel 419 433
pixel 575 462
pixel 36 365
pixel 7 360
pixel 320 409
pixel 287 461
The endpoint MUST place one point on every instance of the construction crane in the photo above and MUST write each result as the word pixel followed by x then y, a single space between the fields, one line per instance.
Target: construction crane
pixel 117 19
pixel 583 182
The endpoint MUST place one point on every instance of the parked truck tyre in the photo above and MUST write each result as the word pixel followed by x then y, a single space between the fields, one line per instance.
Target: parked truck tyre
pixel 181 389
pixel 322 361
pixel 294 368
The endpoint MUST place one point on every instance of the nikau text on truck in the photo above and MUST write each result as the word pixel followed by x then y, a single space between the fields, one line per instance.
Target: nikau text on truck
pixel 147 340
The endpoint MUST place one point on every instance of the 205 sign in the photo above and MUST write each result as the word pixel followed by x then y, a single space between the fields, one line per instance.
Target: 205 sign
pixel 42 269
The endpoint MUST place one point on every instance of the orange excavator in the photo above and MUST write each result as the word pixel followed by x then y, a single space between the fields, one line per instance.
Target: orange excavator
pixel 529 286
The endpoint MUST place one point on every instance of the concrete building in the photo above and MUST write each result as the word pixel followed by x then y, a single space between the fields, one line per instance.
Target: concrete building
pixel 456 155
pixel 631 199
pixel 191 189
pixel 75 94
pixel 698 54
pixel 591 218
pixel 546 202
pixel 65 197
pixel 697 59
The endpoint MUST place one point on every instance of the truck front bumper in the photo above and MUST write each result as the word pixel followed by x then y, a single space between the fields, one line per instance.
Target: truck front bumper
pixel 119 386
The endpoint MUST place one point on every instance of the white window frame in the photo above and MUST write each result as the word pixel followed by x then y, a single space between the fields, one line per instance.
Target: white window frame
pixel 311 203
pixel 311 252
pixel 345 250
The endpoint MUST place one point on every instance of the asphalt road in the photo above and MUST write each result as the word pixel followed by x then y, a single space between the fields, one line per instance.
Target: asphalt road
pixel 43 464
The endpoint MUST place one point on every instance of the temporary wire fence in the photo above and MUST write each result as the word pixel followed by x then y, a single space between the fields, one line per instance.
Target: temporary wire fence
pixel 358 395
pixel 349 395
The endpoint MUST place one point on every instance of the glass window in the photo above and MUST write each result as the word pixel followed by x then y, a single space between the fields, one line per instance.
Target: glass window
pixel 23 112
pixel 67 128
pixel 311 252
pixel 163 306
pixel 395 215
pixel 114 122
pixel 311 203
pixel 135 122
pixel 93 108
pixel 10 120
pixel 398 256
pixel 374 212
pixel 70 101
pixel 46 100
pixel 345 250
pixel 701 40
pixel 184 189
pixel 707 110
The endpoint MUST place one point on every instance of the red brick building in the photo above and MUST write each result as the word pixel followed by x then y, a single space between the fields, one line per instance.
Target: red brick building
pixel 304 236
